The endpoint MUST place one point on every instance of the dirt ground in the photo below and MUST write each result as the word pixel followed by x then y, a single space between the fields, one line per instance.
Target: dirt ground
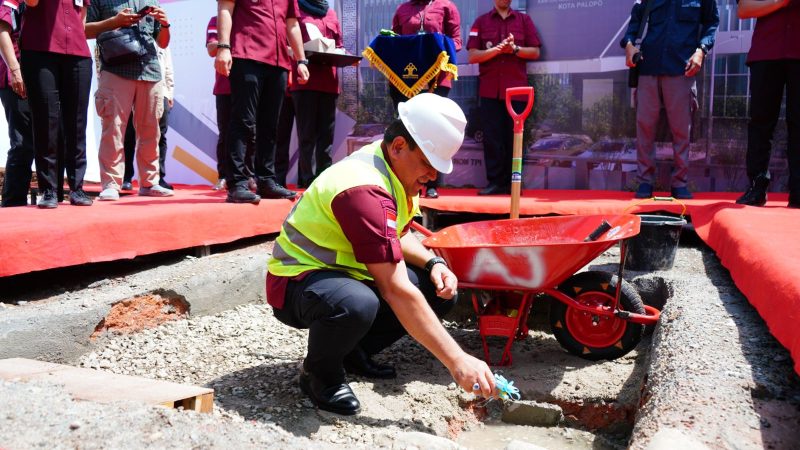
pixel 251 361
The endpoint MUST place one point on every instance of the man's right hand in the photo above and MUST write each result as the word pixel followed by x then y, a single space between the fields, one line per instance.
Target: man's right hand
pixel 126 18
pixel 223 61
pixel 467 370
pixel 630 50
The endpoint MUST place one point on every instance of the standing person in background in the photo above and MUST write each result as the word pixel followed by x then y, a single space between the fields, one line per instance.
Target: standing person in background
pixel 428 16
pixel 315 101
pixel 251 49
pixel 222 96
pixel 501 41
pixel 57 70
pixel 15 104
pixel 136 86
pixel 679 35
pixel 774 61
pixel 165 60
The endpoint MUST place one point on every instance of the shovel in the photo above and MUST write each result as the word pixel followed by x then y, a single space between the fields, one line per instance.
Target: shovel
pixel 516 157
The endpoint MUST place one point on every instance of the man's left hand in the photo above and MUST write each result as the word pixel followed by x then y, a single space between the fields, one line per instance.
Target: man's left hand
pixel 302 74
pixel 695 63
pixel 445 281
pixel 160 15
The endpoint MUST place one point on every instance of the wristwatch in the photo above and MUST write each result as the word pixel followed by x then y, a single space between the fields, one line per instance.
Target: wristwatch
pixel 302 61
pixel 516 49
pixel 219 45
pixel 433 261
pixel 704 49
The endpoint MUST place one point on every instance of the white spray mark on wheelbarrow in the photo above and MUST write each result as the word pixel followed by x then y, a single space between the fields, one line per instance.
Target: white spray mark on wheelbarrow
pixel 494 262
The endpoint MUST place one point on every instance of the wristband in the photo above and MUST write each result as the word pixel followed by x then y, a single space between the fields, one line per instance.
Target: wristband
pixel 302 61
pixel 228 46
pixel 165 26
pixel 515 50
pixel 433 261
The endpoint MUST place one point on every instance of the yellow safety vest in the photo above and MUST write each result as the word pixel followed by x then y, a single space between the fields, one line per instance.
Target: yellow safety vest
pixel 312 239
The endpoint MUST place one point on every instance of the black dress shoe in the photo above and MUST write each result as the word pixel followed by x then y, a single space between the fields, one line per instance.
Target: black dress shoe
pixel 165 185
pixel 126 186
pixel 48 200
pixel 494 189
pixel 338 398
pixel 275 190
pixel 242 195
pixel 79 198
pixel 431 192
pixel 358 363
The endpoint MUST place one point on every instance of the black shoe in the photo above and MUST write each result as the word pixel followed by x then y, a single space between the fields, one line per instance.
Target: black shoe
pixel 431 192
pixel 338 398
pixel 79 198
pixel 165 185
pixel 242 195
pixel 48 200
pixel 681 193
pixel 275 190
pixel 358 363
pixel 645 190
pixel 126 186
pixel 756 194
pixel 794 201
pixel 494 189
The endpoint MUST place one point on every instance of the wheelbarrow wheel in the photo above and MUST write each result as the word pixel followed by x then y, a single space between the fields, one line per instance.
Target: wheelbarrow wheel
pixel 590 336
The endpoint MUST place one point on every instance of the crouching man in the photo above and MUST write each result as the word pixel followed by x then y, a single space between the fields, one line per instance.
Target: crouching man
pixel 346 267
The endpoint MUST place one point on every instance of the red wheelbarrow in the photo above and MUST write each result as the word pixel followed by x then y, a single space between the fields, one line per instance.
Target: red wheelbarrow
pixel 596 315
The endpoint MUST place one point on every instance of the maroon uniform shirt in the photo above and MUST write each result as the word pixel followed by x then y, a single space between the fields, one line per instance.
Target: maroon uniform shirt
pixel 431 16
pixel 258 31
pixel 361 212
pixel 777 35
pixel 54 26
pixel 222 86
pixel 322 78
pixel 505 70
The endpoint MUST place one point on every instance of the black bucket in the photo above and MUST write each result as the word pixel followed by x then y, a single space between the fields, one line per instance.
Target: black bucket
pixel 655 246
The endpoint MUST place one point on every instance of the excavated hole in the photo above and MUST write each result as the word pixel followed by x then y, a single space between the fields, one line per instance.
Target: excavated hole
pixel 142 312
pixel 610 420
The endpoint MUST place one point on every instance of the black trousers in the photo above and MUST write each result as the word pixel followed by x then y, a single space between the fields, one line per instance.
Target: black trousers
pixel 768 81
pixel 397 97
pixel 20 153
pixel 58 95
pixel 223 123
pixel 284 140
pixel 130 145
pixel 342 313
pixel 498 139
pixel 257 91
pixel 315 113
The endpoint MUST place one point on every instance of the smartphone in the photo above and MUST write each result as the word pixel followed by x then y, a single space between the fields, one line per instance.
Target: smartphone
pixel 144 11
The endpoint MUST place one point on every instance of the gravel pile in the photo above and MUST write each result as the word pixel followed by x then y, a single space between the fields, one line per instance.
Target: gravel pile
pixel 251 361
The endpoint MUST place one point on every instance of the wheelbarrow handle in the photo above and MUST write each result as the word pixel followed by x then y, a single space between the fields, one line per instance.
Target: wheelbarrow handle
pixel 519 118
pixel 418 227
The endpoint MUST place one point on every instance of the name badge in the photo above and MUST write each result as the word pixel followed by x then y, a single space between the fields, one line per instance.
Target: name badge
pixel 79 3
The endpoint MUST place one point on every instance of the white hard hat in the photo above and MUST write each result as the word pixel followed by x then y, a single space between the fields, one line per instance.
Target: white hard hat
pixel 437 125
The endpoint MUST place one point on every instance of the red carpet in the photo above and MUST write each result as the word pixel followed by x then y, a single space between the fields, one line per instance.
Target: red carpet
pixel 759 246
pixel 35 239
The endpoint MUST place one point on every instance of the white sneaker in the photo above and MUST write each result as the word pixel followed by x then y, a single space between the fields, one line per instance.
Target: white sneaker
pixel 155 191
pixel 220 186
pixel 109 194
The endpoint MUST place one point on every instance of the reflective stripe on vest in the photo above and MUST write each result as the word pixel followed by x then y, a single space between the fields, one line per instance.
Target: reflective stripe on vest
pixel 315 240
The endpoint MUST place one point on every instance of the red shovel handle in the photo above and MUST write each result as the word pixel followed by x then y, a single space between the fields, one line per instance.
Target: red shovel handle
pixel 519 119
